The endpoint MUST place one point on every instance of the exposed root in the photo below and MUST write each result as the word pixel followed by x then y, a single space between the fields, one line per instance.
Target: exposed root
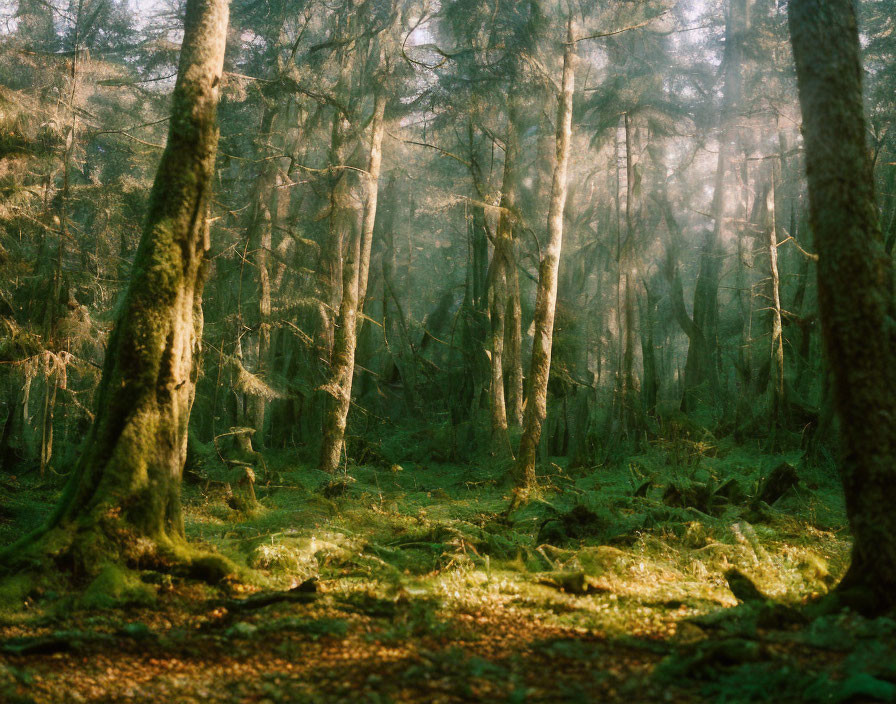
pixel 105 562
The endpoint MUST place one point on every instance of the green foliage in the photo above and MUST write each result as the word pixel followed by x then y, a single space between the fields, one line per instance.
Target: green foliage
pixel 416 618
pixel 461 667
pixel 14 590
pixel 418 555
pixel 644 517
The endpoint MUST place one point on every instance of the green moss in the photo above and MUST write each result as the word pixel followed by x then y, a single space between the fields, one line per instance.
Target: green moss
pixel 14 590
pixel 213 568
pixel 116 586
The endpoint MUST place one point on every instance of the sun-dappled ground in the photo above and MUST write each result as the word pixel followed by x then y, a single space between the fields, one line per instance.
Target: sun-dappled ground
pixel 414 583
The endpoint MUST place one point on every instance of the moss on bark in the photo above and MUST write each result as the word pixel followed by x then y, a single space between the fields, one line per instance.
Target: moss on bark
pixel 122 503
pixel 855 288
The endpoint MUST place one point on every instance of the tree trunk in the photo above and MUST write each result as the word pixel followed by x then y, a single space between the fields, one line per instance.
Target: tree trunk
pixel 122 503
pixel 855 287
pixel 479 240
pixel 341 223
pixel 504 298
pixel 629 409
pixel 497 306
pixel 743 411
pixel 625 303
pixel 546 294
pixel 803 322
pixel 651 384
pixel 259 236
pixel 513 362
pixel 777 338
pixel 513 343
pixel 357 268
pixel 702 359
pixel 673 276
pixel 378 128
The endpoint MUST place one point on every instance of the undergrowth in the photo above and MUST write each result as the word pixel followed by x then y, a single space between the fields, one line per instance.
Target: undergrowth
pixel 639 552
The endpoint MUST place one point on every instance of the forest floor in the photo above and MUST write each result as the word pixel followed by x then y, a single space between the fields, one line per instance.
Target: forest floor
pixel 609 585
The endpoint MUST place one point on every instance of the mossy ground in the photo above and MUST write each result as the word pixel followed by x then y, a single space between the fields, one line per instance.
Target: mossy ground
pixel 608 585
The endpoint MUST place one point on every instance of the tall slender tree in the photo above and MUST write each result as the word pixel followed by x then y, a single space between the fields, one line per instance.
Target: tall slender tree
pixel 546 295
pixel 355 275
pixel 701 365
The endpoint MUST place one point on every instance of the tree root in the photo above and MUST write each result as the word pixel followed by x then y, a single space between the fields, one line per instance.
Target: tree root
pixel 103 562
pixel 305 593
pixel 69 641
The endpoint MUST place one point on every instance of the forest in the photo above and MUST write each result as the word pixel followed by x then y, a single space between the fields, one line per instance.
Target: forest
pixel 447 351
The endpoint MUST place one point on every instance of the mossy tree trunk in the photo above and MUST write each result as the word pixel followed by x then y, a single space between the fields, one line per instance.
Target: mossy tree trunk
pixel 497 308
pixel 507 386
pixel 513 362
pixel 343 212
pixel 122 503
pixel 355 277
pixel 260 239
pixel 546 294
pixel 513 343
pixel 855 287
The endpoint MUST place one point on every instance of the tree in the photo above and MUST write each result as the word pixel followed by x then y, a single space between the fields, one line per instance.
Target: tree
pixel 701 366
pixel 855 286
pixel 546 295
pixel 122 503
pixel 503 268
pixel 355 275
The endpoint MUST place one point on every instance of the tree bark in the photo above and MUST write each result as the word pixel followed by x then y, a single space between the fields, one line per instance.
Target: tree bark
pixel 378 128
pixel 357 268
pixel 546 294
pixel 122 503
pixel 497 306
pixel 777 338
pixel 743 410
pixel 630 406
pixel 504 285
pixel 651 380
pixel 855 287
pixel 513 343
pixel 673 276
pixel 342 222
pixel 260 227
pixel 513 363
